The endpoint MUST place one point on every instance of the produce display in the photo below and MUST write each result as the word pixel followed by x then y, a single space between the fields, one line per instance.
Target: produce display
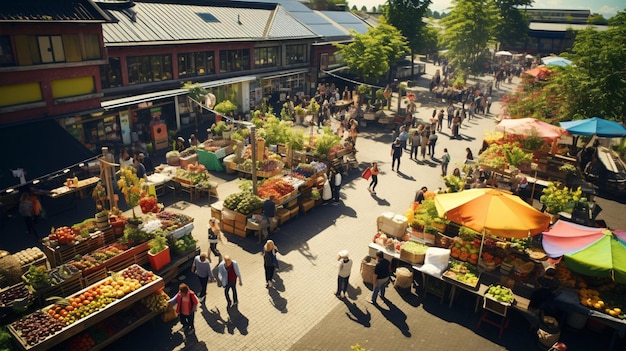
pixel 149 204
pixel 15 292
pixel 276 187
pixel 185 243
pixel 243 202
pixel 37 326
pixel 59 274
pixel 157 302
pixel 263 166
pixel 603 301
pixel 173 219
pixel 389 243
pixel 462 272
pixel 466 251
pixel 500 293
pixel 37 276
pixel 28 256
pixel 307 170
pixel 195 174
pixel 414 247
pixel 63 235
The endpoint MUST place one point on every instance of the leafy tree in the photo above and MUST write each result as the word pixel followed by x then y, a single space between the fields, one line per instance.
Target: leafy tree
pixel 327 5
pixel 594 85
pixel 512 25
pixel 353 8
pixel 371 54
pixel 597 18
pixel 406 15
pixel 373 9
pixel 468 29
pixel 364 8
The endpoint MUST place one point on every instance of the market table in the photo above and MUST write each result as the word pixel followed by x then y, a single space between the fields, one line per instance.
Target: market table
pixel 81 187
pixel 158 181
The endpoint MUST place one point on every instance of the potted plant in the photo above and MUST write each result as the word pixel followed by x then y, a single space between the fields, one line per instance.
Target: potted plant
pixel 300 113
pixel 173 156
pixel 225 107
pixel 220 128
pixel 130 186
pixel 159 254
pixel 102 220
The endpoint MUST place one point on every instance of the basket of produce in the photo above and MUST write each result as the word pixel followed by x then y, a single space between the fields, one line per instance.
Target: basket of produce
pixel 37 277
pixel 413 252
pixel 14 294
pixel 500 294
pixel 277 187
pixel 463 273
pixel 185 244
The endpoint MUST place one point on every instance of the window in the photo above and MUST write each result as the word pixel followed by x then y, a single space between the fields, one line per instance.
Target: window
pixel 111 74
pixel 32 50
pixel 234 60
pixel 296 54
pixel 196 64
pixel 153 68
pixel 267 57
pixel 6 52
pixel 51 48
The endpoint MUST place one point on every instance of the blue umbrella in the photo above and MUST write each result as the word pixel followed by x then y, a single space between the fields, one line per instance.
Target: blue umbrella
pixel 555 61
pixel 595 126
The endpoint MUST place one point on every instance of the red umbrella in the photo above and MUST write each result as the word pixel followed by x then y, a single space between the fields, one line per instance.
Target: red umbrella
pixel 540 72
pixel 530 126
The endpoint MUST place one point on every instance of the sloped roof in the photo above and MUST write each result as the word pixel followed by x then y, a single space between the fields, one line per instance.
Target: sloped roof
pixel 150 23
pixel 320 24
pixel 347 20
pixel 51 11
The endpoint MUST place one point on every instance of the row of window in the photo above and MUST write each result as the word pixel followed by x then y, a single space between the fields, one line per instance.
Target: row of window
pixel 153 68
pixel 42 49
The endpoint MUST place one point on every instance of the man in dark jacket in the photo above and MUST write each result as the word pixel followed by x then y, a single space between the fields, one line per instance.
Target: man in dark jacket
pixel 381 277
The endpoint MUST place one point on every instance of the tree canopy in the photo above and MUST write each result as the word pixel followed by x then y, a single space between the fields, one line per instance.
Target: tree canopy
pixel 512 24
pixel 593 86
pixel 468 29
pixel 371 54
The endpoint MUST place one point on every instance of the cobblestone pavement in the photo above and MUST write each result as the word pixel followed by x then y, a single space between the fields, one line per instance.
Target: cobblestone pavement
pixel 301 312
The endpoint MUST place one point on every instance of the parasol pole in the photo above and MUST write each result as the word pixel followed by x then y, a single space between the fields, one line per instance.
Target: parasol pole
pixel 482 244
pixel 532 193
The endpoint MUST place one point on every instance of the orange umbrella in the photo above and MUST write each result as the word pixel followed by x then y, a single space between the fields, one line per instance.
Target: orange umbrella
pixel 493 212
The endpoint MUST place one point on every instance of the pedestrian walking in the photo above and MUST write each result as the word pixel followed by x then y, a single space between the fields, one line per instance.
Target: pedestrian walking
pixel 469 156
pixel 186 306
pixel 27 211
pixel 335 183
pixel 228 274
pixel 440 120
pixel 215 236
pixel 345 268
pixel 201 266
pixel 420 195
pixel 374 174
pixel 381 277
pixel 396 154
pixel 327 192
pixel 432 141
pixel 415 143
pixel 424 135
pixel 270 262
pixel 450 114
pixel 445 160
pixel 404 137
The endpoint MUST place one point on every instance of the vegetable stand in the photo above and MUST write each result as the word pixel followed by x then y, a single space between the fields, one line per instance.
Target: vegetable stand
pixel 86 321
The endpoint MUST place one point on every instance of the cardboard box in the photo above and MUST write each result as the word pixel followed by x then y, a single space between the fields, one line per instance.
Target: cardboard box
pixel 307 205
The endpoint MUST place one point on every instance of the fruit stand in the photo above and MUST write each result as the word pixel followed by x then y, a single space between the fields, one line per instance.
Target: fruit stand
pixel 56 323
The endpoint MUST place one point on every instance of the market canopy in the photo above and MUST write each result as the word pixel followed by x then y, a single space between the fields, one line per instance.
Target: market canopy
pixel 565 237
pixel 504 53
pixel 595 126
pixel 539 72
pixel 555 61
pixel 530 126
pixel 604 258
pixel 493 212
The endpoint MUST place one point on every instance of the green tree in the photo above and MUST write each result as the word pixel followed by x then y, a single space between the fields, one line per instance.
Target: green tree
pixel 597 18
pixel 594 85
pixel 406 15
pixel 468 29
pixel 512 25
pixel 371 54
pixel 364 8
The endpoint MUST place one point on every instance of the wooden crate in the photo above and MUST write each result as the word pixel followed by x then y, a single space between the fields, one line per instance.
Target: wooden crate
pixel 230 228
pixel 241 218
pixel 95 276
pixel 241 226
pixel 240 232
pixel 294 212
pixel 307 205
pixel 283 215
pixel 293 203
pixel 228 214
pixel 108 235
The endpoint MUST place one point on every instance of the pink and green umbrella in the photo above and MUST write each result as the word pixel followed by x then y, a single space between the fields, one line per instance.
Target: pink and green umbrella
pixel 603 258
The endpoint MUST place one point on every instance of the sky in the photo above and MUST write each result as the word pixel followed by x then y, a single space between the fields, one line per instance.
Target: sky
pixel 607 8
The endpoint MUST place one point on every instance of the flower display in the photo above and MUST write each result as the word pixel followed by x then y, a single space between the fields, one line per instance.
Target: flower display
pixel 130 186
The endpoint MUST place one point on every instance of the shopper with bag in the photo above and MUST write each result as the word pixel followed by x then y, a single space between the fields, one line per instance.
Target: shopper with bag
pixel 380 280
pixel 186 306
pixel 374 174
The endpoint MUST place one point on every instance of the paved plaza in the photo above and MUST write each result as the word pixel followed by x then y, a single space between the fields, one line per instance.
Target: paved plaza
pixel 301 311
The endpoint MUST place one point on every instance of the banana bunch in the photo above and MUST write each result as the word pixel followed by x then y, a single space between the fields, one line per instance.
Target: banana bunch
pixel 156 302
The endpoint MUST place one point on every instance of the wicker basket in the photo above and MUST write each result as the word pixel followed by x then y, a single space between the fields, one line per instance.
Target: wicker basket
pixel 367 269
pixel 411 257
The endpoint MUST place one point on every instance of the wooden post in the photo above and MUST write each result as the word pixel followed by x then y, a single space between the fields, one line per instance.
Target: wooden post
pixel 106 173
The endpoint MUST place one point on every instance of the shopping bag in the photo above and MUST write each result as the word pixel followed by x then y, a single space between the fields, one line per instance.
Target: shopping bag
pixel 169 314
pixel 367 173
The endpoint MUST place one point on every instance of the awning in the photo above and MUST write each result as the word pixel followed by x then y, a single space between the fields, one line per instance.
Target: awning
pixel 131 100
pixel 39 148
pixel 283 74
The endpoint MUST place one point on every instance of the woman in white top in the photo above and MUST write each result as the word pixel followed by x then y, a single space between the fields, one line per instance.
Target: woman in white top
pixel 345 267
